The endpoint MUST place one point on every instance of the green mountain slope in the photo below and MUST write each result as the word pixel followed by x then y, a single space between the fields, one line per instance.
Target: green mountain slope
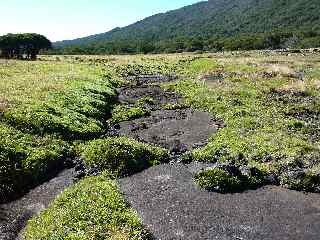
pixel 211 20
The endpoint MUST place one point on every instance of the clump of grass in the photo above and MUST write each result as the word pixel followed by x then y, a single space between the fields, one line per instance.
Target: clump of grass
pixel 23 82
pixel 76 113
pixel 121 113
pixel 175 106
pixel 201 66
pixel 122 156
pixel 145 100
pixel 42 103
pixel 149 67
pixel 230 178
pixel 217 180
pixel 92 209
pixel 301 180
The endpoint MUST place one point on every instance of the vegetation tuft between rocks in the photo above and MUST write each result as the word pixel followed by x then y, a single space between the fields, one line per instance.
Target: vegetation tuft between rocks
pixel 121 156
pixel 91 209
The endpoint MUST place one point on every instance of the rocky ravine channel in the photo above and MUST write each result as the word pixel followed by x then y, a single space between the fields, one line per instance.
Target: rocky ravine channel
pixel 173 207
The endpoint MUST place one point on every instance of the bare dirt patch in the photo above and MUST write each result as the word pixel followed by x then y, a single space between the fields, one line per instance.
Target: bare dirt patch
pixel 4 104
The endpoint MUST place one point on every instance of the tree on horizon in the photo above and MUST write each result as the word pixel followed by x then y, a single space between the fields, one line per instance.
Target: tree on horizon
pixel 23 45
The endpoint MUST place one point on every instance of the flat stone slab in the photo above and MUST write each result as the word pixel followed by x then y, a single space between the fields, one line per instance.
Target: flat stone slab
pixel 14 215
pixel 173 207
pixel 131 95
pixel 169 128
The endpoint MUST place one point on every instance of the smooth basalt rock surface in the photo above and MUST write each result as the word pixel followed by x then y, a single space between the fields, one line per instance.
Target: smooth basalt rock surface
pixel 173 207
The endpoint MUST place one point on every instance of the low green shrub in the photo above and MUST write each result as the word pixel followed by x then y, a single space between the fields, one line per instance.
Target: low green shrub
pixel 217 180
pixel 122 156
pixel 301 180
pixel 145 100
pixel 295 124
pixel 232 178
pixel 25 159
pixel 122 113
pixel 92 209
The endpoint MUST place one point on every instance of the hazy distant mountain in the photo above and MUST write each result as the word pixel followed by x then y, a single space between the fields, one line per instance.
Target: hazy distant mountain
pixel 215 18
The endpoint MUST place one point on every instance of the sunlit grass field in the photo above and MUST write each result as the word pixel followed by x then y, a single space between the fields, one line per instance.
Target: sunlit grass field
pixel 25 82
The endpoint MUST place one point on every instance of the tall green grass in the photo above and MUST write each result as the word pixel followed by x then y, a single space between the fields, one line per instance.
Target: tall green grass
pixel 47 106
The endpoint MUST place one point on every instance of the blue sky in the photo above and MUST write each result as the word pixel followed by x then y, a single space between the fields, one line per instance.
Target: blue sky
pixel 69 19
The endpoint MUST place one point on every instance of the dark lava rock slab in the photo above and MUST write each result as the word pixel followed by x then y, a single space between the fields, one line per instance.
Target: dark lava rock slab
pixel 14 215
pixel 172 207
pixel 130 95
pixel 150 79
pixel 184 128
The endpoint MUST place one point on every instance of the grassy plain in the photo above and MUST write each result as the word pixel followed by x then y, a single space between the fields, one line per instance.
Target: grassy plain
pixel 269 103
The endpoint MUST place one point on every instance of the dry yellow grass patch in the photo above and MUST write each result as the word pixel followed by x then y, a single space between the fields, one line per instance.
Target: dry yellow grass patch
pixel 3 61
pixel 317 83
pixel 295 86
pixel 281 69
pixel 120 235
pixel 212 80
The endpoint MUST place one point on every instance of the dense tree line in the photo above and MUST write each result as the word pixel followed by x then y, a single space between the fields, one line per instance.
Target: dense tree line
pixel 23 46
pixel 272 40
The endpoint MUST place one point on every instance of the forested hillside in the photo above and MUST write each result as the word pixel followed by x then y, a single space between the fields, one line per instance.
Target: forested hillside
pixel 212 25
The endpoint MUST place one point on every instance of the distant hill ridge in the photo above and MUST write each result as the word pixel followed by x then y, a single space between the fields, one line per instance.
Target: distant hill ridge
pixel 210 23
